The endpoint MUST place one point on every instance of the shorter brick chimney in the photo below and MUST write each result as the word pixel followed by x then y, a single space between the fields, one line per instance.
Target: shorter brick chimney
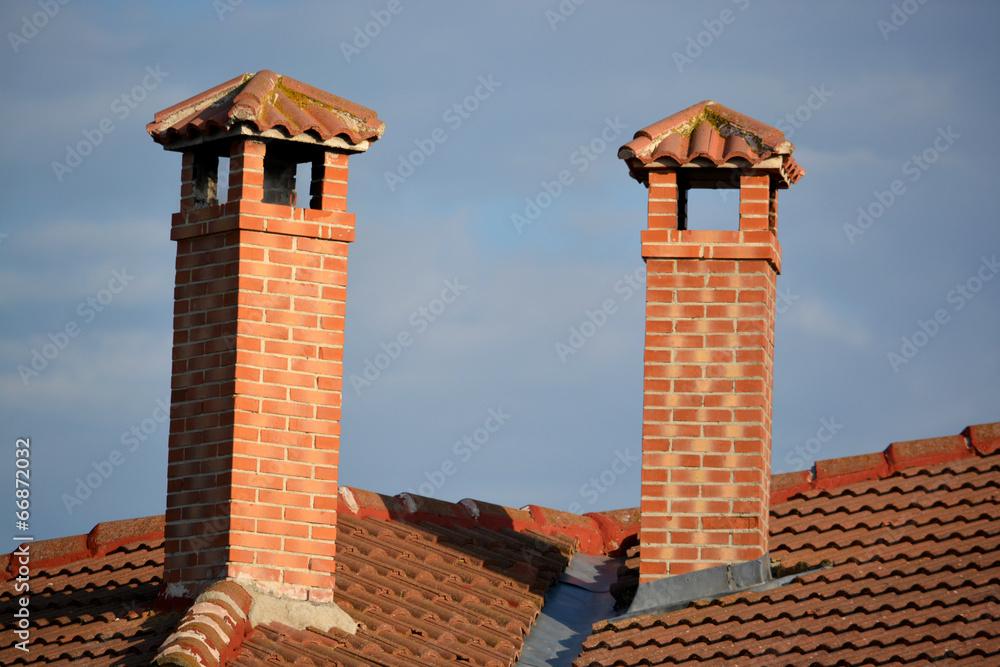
pixel 706 437
pixel 258 335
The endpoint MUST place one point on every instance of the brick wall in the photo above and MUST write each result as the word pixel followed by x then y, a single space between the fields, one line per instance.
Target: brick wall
pixel 708 379
pixel 257 374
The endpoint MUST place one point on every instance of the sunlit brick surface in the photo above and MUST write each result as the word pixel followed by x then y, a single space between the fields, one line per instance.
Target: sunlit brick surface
pixel 256 393
pixel 708 379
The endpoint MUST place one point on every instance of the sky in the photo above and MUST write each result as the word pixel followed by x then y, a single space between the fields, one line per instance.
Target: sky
pixel 888 303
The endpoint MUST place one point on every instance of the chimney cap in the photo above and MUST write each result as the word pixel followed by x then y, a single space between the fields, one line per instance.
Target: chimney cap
pixel 269 105
pixel 711 135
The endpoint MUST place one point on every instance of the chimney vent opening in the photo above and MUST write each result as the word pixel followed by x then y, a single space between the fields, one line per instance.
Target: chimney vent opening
pixel 711 209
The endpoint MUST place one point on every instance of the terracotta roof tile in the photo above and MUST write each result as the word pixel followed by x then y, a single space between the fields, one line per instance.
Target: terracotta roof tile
pixel 426 593
pixel 93 604
pixel 915 574
pixel 915 553
pixel 265 101
pixel 712 134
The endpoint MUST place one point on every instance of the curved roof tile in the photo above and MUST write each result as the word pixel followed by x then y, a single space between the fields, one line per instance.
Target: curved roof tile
pixel 712 132
pixel 267 101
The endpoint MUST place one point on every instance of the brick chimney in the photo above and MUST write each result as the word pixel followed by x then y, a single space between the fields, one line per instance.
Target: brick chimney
pixel 258 335
pixel 706 437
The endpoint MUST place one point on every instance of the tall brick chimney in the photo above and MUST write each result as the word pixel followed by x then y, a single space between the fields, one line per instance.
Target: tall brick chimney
pixel 258 335
pixel 706 437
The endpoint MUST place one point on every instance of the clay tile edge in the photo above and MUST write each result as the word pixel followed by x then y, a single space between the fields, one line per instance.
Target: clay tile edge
pixel 600 533
pixel 103 539
pixel 984 438
pixel 211 631
pixel 975 441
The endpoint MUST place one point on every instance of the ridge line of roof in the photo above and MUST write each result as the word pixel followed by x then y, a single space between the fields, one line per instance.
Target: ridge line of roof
pixel 102 539
pixel 975 441
pixel 212 629
pixel 595 532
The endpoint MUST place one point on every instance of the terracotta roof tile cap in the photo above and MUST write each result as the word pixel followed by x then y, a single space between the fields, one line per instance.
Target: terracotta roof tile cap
pixel 761 138
pixel 984 438
pixel 710 131
pixel 267 101
pixel 210 630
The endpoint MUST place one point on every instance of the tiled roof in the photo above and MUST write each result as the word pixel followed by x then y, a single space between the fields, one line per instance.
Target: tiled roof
pixel 425 594
pixel 710 133
pixel 431 582
pixel 427 581
pixel 913 535
pixel 266 101
pixel 915 548
pixel 90 598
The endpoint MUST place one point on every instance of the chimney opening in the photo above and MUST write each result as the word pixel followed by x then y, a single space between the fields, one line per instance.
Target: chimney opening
pixel 222 194
pixel 716 208
pixel 303 183
pixel 205 174
pixel 279 180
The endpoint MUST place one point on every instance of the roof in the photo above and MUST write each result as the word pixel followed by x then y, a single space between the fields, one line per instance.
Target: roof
pixel 913 576
pixel 90 597
pixel 426 580
pixel 266 103
pixel 913 535
pixel 709 134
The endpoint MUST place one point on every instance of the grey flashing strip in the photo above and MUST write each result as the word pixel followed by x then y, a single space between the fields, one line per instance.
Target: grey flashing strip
pixel 579 599
pixel 681 589
pixel 674 593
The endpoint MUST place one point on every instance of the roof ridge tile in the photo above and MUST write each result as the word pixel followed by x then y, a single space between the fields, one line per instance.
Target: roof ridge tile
pixel 596 534
pixel 974 442
pixel 212 629
pixel 103 539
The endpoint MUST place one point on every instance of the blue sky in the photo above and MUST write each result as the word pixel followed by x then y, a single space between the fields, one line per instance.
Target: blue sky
pixel 891 107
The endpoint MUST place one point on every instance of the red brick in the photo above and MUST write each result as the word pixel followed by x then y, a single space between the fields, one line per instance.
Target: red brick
pixel 756 207
pixel 310 547
pixel 731 523
pixel 311 516
pixel 699 506
pixel 698 476
pixel 323 581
